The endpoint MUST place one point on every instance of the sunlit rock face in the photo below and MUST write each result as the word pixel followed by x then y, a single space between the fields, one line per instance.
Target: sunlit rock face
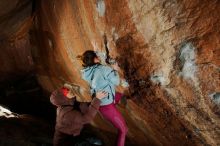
pixel 168 51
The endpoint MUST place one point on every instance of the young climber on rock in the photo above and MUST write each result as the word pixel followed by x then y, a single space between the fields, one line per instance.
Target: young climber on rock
pixel 105 78
pixel 70 120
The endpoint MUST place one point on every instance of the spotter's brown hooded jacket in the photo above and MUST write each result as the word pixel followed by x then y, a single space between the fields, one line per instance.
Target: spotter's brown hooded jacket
pixel 69 120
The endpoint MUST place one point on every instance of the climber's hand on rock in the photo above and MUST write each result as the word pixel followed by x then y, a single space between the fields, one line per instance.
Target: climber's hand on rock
pixel 115 66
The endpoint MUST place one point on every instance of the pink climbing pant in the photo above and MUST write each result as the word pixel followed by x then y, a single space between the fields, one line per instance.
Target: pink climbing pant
pixel 110 113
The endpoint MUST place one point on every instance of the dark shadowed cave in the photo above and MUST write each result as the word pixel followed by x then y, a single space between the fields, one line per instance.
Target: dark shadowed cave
pixel 167 50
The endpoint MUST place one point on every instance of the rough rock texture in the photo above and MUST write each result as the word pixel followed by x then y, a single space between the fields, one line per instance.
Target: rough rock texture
pixel 15 22
pixel 167 50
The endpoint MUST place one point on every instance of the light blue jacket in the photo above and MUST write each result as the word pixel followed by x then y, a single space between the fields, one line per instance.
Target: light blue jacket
pixel 102 78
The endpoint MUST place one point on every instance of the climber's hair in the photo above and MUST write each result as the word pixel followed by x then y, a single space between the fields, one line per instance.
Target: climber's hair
pixel 88 58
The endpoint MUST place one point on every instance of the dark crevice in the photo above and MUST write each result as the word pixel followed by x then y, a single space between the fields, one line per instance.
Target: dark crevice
pixel 25 96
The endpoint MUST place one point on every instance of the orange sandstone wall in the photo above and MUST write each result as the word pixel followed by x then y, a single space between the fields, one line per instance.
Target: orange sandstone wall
pixel 168 51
